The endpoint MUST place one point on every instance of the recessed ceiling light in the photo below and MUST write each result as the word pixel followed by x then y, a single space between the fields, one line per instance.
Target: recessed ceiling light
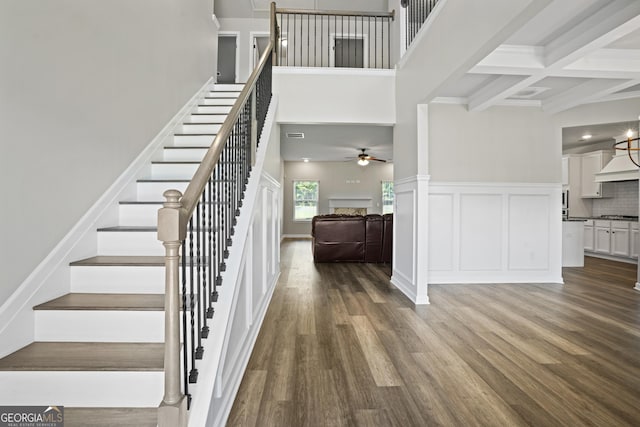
pixel 587 136
pixel 305 160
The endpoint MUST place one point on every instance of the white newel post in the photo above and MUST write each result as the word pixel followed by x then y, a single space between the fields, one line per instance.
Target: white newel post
pixel 173 409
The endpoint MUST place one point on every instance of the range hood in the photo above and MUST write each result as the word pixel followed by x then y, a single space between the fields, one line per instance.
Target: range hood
pixel 620 168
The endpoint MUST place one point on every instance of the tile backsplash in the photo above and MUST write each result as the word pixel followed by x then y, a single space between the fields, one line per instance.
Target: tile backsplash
pixel 623 202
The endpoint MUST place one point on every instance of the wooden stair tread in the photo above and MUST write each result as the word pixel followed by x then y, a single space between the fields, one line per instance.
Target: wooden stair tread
pixel 121 260
pixel 176 162
pixel 195 134
pixel 158 202
pixel 109 417
pixel 115 302
pixel 201 123
pixel 190 147
pixel 130 228
pixel 85 356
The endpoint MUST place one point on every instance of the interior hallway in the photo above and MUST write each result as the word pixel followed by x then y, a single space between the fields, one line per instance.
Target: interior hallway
pixel 341 346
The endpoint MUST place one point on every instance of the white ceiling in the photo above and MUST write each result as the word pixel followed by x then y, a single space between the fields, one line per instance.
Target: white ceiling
pixel 335 142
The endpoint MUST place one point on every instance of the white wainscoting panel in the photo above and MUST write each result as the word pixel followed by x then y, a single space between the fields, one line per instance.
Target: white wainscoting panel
pixel 441 232
pixel 481 222
pixel 494 233
pixel 529 232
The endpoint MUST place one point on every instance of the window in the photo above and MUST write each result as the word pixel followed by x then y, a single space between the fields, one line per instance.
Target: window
pixel 305 200
pixel 387 197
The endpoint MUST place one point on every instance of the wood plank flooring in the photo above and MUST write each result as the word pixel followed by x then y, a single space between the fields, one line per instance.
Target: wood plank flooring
pixel 340 346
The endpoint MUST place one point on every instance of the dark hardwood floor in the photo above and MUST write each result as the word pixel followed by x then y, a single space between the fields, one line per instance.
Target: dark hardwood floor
pixel 341 346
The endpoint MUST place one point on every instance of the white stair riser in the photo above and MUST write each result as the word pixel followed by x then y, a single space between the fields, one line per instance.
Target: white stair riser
pixel 200 128
pixel 129 243
pixel 99 326
pixel 145 215
pixel 227 86
pixel 218 101
pixel 118 279
pixel 173 171
pixel 153 191
pixel 193 140
pixel 185 154
pixel 207 118
pixel 211 109
pixel 82 388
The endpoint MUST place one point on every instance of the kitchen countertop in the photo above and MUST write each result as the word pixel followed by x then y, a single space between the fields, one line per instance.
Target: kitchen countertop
pixel 585 218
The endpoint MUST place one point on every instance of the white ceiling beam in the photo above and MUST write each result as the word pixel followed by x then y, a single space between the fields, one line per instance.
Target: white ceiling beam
pixel 612 22
pixel 619 96
pixel 499 90
pixel 512 59
pixel 526 61
pixel 585 93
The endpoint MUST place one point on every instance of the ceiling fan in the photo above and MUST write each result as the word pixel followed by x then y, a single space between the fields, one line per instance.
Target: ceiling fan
pixel 364 158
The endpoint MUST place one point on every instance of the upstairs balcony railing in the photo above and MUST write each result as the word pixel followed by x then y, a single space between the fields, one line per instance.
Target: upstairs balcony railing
pixel 321 38
pixel 416 12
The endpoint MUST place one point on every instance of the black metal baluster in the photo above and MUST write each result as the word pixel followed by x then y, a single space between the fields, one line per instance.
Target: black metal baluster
pixel 196 292
pixel 300 42
pixel 308 41
pixel 388 42
pixel 213 293
pixel 193 374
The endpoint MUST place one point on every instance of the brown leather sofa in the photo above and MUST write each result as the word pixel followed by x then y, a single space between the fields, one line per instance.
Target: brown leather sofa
pixel 352 238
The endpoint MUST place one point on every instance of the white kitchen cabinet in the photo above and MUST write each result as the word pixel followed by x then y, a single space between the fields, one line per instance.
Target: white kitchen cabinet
pixel 635 240
pixel 588 235
pixel 620 237
pixel 602 238
pixel 611 238
pixel 591 164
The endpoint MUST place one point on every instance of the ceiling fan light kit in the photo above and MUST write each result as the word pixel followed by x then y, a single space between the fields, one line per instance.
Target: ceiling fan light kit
pixel 364 158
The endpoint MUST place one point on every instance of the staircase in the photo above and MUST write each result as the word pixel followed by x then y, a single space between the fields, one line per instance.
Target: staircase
pixel 98 350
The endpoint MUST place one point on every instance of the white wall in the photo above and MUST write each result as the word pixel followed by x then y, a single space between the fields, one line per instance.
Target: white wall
pixel 470 30
pixel 333 177
pixel 324 95
pixel 85 86
pixel 501 144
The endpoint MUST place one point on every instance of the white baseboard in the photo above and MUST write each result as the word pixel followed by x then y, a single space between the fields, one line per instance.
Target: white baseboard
pixel 637 286
pixel 408 289
pixel 50 278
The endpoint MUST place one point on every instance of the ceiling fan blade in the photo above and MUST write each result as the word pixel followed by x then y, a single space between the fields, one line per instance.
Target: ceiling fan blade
pixel 376 159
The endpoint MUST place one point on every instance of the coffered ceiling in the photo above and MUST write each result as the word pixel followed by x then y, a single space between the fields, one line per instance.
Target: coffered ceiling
pixel 573 52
